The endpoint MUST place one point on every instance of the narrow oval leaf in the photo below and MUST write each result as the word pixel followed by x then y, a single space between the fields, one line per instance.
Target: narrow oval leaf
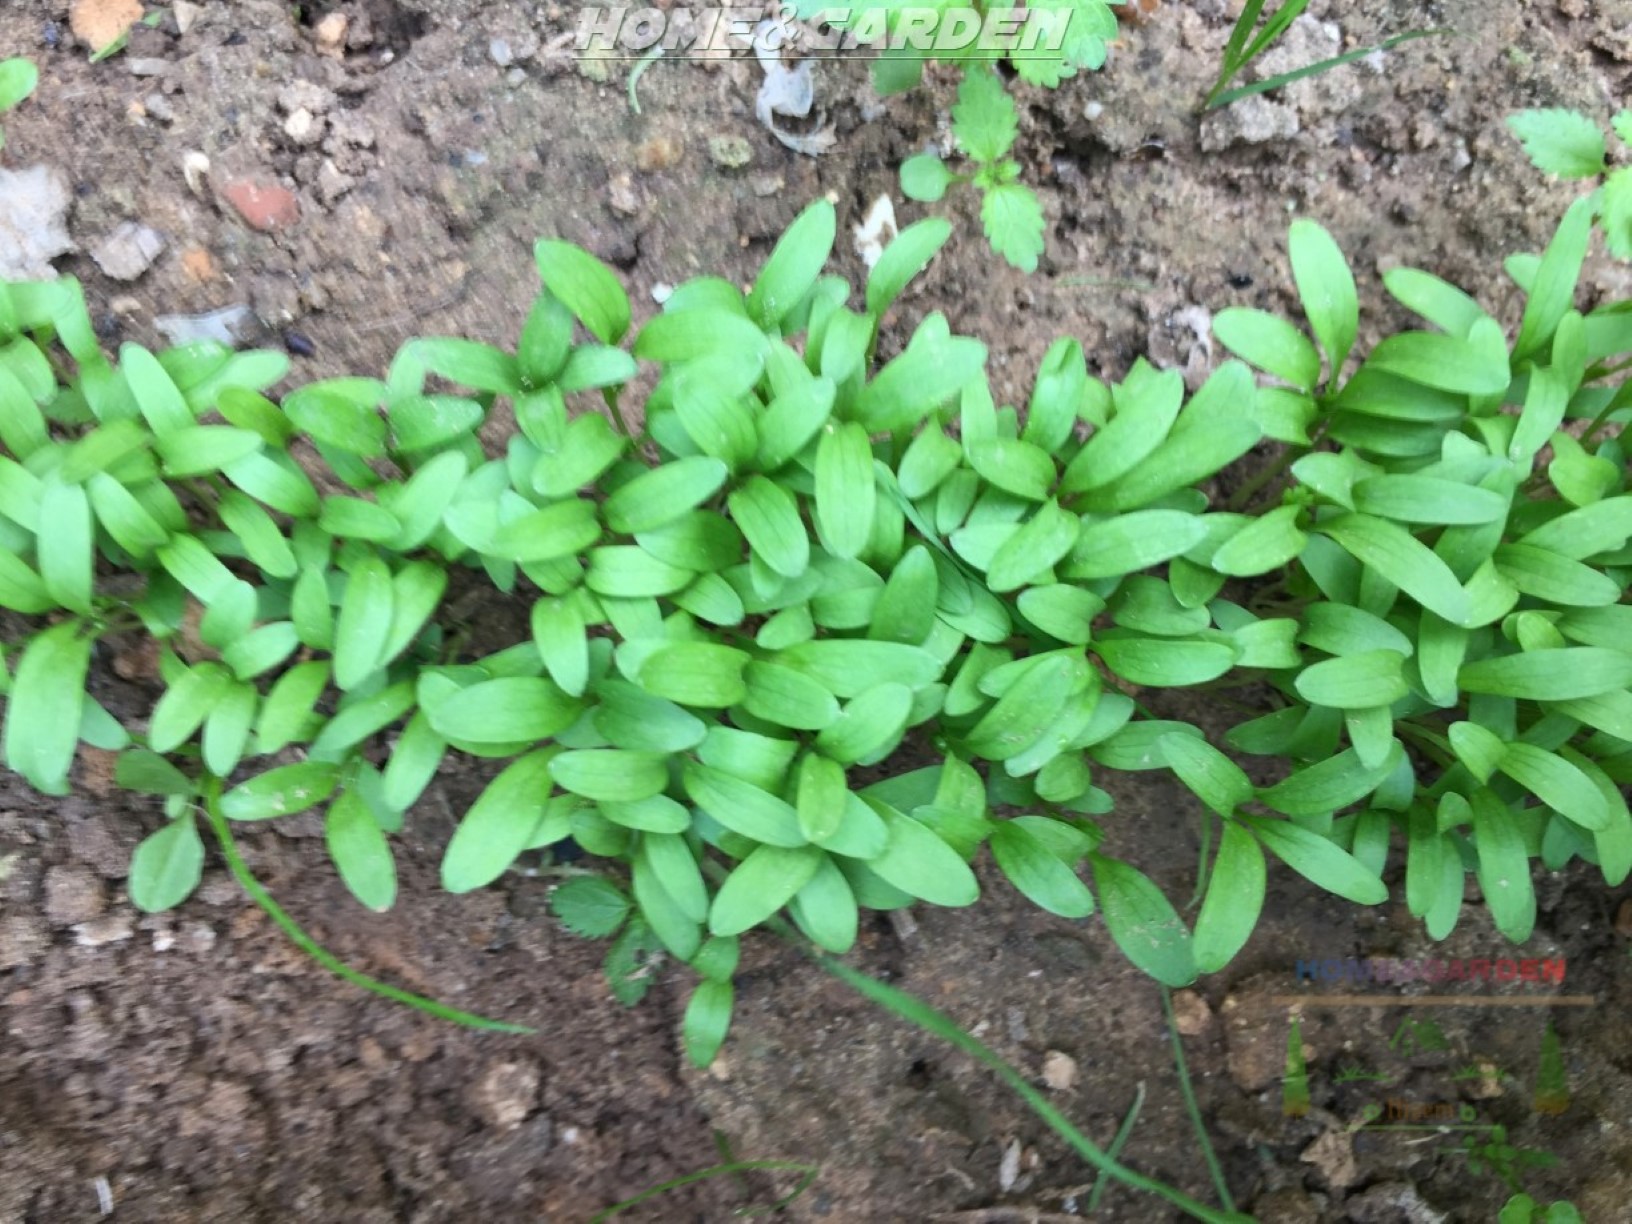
pixel 167 866
pixel 1039 873
pixel 498 825
pixel 586 286
pixel 760 885
pixel 281 791
pixel 1143 922
pixel 360 851
pixel 1235 898
pixel 1321 862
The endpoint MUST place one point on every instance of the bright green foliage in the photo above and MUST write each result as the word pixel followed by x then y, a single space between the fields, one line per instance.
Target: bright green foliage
pixel 18 77
pixel 1568 144
pixel 1048 42
pixel 1254 33
pixel 985 124
pixel 806 558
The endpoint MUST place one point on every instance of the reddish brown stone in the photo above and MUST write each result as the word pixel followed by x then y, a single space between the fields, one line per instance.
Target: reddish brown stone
pixel 263 205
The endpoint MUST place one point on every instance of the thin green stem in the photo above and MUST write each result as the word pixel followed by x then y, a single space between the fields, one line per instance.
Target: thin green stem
pixel 1123 1134
pixel 1205 854
pixel 1248 491
pixel 211 797
pixel 1191 1107
pixel 917 1012
pixel 720 1170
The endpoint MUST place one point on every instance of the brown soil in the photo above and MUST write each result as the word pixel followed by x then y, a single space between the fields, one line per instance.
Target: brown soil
pixel 207 1071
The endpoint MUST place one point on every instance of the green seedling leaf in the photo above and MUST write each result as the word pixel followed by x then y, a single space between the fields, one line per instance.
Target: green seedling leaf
pixel 822 797
pixel 1035 549
pixel 743 807
pixel 1128 543
pixel 1427 499
pixel 984 120
pixel 360 852
pixel 139 769
pixel 281 792
pixel 1270 343
pixel 1402 559
pixel 1143 922
pixel 664 494
pixel 509 710
pixel 499 824
pixel 920 864
pixel 795 263
pixel 760 885
pixel 707 1020
pixel 1326 786
pixel 1354 682
pixel 1557 783
pixel 1012 216
pixel 703 674
pixel 1211 776
pixel 1446 363
pixel 1326 288
pixel 1561 142
pixel 1165 662
pixel 1263 545
pixel 769 519
pixel 825 909
pixel 788 698
pixel 586 287
pixel 610 775
pixel 1561 674
pixel 590 906
pixel 67 565
pixel 161 404
pixel 1014 466
pixel 1034 869
pixel 364 622
pixel 167 866
pixel 1504 867
pixel 1235 898
pixel 846 492
pixel 1321 862
pixel 848 668
pixel 911 251
pixel 923 177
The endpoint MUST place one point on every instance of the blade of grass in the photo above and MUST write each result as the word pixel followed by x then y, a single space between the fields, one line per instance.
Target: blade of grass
pixel 927 1018
pixel 1191 1107
pixel 1287 78
pixel 1274 28
pixel 1244 24
pixel 1123 1133
pixel 721 1170
pixel 257 893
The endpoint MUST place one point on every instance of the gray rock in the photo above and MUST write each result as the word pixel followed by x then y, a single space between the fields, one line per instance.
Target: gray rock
pixel 230 325
pixel 1252 120
pixel 33 222
pixel 128 251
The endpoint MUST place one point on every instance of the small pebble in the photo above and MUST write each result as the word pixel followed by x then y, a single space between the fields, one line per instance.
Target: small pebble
pixel 186 16
pixel 658 153
pixel 128 251
pixel 262 204
pixel 330 35
pixel 499 49
pixel 148 67
pixel 1059 1071
pixel 730 152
